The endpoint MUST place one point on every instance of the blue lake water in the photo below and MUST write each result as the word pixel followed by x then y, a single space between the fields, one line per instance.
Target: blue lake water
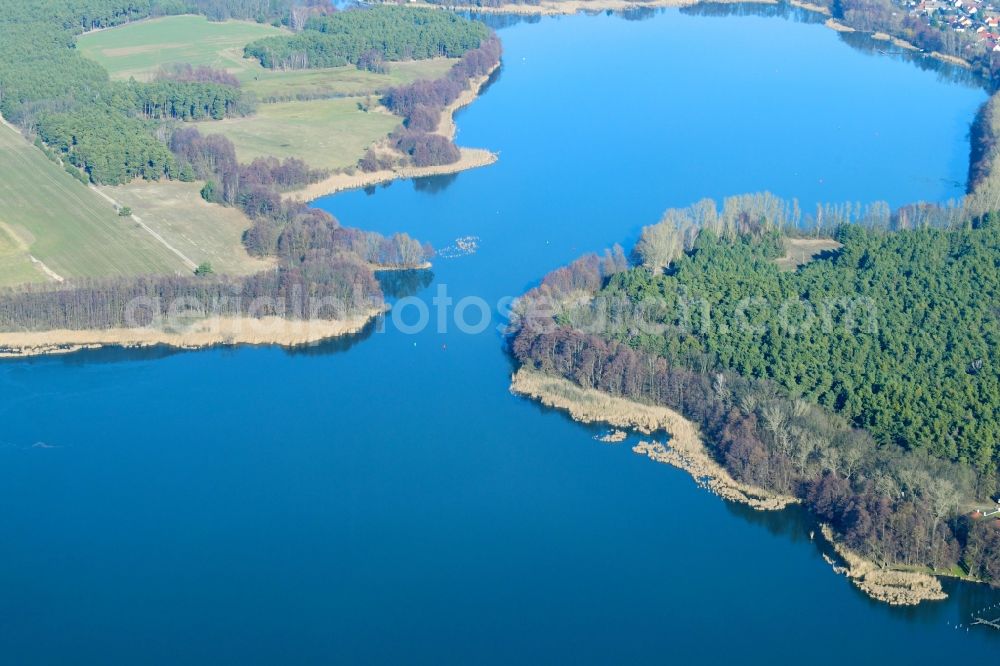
pixel 384 499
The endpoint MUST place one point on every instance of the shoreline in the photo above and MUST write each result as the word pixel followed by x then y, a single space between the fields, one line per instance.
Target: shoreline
pixel 837 26
pixel 569 7
pixel 208 332
pixel 891 586
pixel 391 268
pixel 801 4
pixel 686 450
pixel 471 158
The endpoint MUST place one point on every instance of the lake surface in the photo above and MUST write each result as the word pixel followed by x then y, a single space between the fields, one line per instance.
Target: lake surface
pixel 384 499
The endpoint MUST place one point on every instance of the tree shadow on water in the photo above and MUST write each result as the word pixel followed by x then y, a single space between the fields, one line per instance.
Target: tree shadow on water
pixel 434 184
pixel 401 284
pixel 793 521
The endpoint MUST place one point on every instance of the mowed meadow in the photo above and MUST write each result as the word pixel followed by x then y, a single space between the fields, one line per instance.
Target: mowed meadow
pixel 199 230
pixel 326 133
pixel 16 266
pixel 49 215
pixel 139 49
pixel 346 81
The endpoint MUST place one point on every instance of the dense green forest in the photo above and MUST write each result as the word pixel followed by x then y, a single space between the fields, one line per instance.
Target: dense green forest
pixel 188 100
pixel 366 37
pixel 865 382
pixel 897 331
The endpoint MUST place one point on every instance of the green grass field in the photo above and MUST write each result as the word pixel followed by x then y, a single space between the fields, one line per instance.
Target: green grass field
pixel 327 134
pixel 201 231
pixel 140 48
pixel 48 214
pixel 16 266
pixel 339 81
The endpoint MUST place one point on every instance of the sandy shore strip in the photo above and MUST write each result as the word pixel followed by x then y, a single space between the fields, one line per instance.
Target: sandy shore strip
pixel 903 44
pixel 202 333
pixel 471 158
pixel 833 24
pixel 819 9
pixel 897 588
pixel 686 449
pixel 446 126
pixel 950 59
pixel 837 26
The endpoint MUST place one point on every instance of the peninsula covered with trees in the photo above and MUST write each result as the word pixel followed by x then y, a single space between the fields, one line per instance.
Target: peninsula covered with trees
pixel 866 382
